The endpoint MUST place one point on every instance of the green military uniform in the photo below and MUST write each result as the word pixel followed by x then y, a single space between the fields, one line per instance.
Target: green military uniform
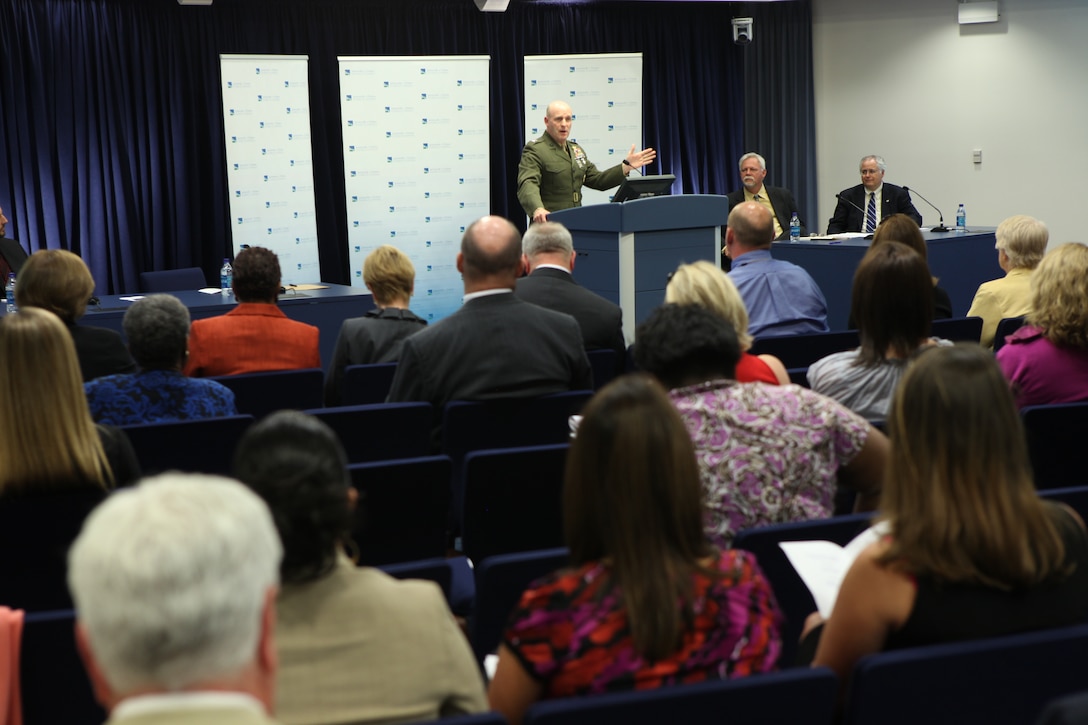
pixel 552 177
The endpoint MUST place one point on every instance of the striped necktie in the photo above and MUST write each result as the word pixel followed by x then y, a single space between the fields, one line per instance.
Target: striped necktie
pixel 870 214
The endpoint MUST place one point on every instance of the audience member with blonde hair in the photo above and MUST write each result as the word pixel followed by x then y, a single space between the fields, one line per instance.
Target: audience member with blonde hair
pixel 971 550
pixel 55 463
pixel 1021 244
pixel 647 601
pixel 59 281
pixel 903 229
pixel 377 336
pixel 702 283
pixel 892 295
pixel 1047 360
pixel 48 440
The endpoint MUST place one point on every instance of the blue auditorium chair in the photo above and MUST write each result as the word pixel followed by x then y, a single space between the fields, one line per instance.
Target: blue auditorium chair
pixel 1055 434
pixel 793 596
pixel 403 509
pixel 500 582
pixel 1005 327
pixel 513 500
pixel 379 432
pixel 796 697
pixel 259 394
pixel 997 681
pixel 205 445
pixel 367 384
pixel 172 280
pixel 604 365
pixel 958 329
pixel 800 351
pixel 54 685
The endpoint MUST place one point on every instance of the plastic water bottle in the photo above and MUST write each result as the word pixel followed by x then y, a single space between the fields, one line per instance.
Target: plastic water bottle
pixel 961 219
pixel 795 228
pixel 226 276
pixel 9 291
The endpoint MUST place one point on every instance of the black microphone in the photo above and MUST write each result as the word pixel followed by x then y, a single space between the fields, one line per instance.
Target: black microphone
pixel 940 227
pixel 840 197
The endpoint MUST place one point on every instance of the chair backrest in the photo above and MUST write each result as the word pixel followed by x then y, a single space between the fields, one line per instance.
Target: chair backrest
pixel 958 329
pixel 259 394
pixel 500 582
pixel 36 531
pixel 367 384
pixel 800 351
pixel 603 362
pixel 403 509
pixel 436 570
pixel 380 432
pixel 1005 327
pixel 793 596
pixel 513 500
pixel 1055 434
pixel 797 697
pixel 483 718
pixel 173 280
pixel 200 446
pixel 1075 497
pixel 54 685
pixel 996 680
pixel 474 426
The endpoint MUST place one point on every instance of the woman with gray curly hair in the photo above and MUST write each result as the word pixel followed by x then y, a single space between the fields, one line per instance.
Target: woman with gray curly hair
pixel 157 328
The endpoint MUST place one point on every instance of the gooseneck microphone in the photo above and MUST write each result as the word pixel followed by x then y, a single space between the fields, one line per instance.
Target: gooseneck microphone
pixel 940 227
pixel 842 198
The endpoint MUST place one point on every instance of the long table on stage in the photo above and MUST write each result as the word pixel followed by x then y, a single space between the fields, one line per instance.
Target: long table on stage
pixel 960 260
pixel 323 308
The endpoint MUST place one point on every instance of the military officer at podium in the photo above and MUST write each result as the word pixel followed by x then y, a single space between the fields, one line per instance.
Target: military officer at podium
pixel 553 168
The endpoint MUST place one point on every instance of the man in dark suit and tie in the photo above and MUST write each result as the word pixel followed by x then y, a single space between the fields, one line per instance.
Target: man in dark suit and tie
pixel 12 255
pixel 778 199
pixel 861 207
pixel 495 346
pixel 548 254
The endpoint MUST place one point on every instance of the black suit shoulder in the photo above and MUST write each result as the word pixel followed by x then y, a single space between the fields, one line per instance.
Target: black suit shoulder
pixel 101 351
pixel 600 321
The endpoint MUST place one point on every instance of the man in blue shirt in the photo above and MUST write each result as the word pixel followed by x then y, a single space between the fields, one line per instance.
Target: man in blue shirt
pixel 782 299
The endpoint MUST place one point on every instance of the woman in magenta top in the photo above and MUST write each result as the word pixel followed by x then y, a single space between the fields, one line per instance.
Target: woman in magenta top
pixel 1046 361
pixel 647 601
pixel 704 284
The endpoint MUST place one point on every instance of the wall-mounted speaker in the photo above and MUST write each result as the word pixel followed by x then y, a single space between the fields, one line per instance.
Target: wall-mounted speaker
pixel 492 6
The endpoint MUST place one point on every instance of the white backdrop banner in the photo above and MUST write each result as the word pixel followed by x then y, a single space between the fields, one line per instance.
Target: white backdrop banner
pixel 605 95
pixel 416 160
pixel 266 117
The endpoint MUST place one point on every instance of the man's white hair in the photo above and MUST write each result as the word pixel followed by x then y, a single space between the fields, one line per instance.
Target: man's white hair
pixel 546 237
pixel 169 580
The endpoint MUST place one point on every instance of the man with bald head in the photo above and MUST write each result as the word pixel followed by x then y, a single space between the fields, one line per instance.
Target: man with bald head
pixel 553 168
pixel 496 346
pixel 782 299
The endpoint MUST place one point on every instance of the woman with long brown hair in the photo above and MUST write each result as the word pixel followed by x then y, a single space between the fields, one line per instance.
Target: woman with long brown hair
pixel 647 601
pixel 971 550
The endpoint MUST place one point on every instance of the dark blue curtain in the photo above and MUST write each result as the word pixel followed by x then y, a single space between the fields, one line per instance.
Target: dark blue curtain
pixel 111 131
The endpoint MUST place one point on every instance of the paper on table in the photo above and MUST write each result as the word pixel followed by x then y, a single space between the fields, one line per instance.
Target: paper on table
pixel 822 565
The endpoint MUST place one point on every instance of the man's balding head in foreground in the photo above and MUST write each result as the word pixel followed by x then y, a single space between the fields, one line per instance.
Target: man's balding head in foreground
pixel 749 227
pixel 490 256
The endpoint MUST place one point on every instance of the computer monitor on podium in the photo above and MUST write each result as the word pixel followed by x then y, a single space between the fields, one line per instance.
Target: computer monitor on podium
pixel 642 187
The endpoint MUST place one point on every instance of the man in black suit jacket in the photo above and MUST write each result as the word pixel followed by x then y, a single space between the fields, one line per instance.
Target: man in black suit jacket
pixel 849 216
pixel 495 346
pixel 548 254
pixel 12 255
pixel 753 169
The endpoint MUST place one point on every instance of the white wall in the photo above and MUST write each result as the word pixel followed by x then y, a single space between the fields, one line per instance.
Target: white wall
pixel 903 79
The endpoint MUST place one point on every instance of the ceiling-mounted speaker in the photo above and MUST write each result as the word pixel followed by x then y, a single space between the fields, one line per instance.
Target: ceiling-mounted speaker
pixel 492 6
pixel 194 2
pixel 984 11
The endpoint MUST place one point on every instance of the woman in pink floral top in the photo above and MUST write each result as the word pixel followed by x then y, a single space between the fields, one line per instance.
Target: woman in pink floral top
pixel 647 601
pixel 766 454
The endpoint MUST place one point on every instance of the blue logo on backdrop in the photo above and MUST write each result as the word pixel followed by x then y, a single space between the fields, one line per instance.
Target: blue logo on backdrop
pixel 351 123
pixel 238 194
pixel 611 103
pixel 292 162
pixel 571 68
pixel 426 220
pixel 230 84
pixel 348 98
pixel 288 110
pixel 355 223
pixel 351 148
pixel 389 184
pixel 385 84
pixel 353 173
pixel 258 70
pixel 268 205
pixel 347 71
pixel 236 167
pixel 392 209
pixel 426 145
pixel 287 84
pixel 460 132
pixel 266 177
pixel 458 82
pixel 423 71
pixel 460 181
pixel 532 82
pixel 387 109
pixel 610 79
pixel 240 220
pixel 388 159
pixel 358 248
pixel 462 228
pixel 460 107
pixel 232 111
pixel 290 137
pixel 269 230
pixel 429 268
pixel 293 188
pixel 300 266
pixel 426 195
pixel 426 169
pixel 260 124
pixel 389 134
pixel 573 94
pixel 427 243
pixel 264 152
pixel 423 96
pixel 462 205
pixel 392 233
pixel 296 215
pixel 354 198
pixel 611 128
pixel 298 240
pixel 234 139
pixel 259 98
pixel 424 122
